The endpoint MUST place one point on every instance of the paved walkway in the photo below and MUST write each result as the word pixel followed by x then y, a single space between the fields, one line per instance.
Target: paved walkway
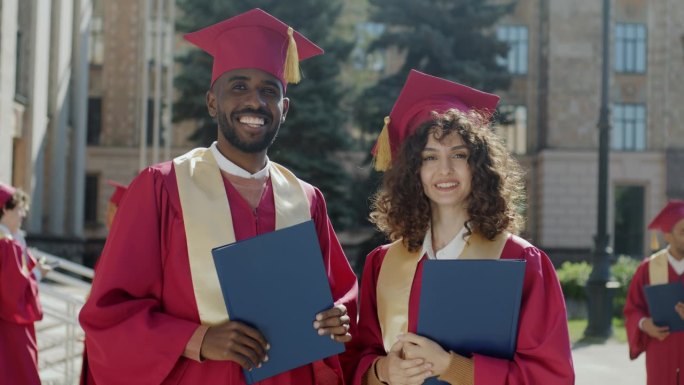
pixel 607 363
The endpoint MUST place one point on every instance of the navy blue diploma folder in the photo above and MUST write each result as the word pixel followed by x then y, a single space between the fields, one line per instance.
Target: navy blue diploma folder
pixel 472 305
pixel 661 304
pixel 276 282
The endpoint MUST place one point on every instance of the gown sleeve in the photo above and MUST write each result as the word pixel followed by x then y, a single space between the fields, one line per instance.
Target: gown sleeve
pixel 129 337
pixel 343 283
pixel 367 345
pixel 19 301
pixel 635 309
pixel 543 354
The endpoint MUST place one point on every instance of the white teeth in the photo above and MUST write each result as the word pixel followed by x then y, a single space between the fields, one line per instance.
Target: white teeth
pixel 252 120
pixel 446 185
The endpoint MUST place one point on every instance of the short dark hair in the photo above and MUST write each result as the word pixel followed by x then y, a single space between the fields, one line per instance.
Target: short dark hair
pixel 402 210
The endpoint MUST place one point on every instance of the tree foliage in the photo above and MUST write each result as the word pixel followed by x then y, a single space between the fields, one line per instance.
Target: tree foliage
pixel 315 129
pixel 452 39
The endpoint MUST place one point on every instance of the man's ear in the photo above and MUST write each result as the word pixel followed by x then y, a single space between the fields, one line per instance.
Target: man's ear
pixel 286 107
pixel 211 103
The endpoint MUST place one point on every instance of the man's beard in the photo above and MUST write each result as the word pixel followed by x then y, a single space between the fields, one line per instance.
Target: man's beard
pixel 230 133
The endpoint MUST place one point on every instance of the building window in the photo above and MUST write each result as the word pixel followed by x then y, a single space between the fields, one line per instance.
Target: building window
pixel 512 127
pixel 629 127
pixel 630 48
pixel 629 220
pixel 362 59
pixel 94 121
pixel 516 38
pixel 91 195
pixel 96 50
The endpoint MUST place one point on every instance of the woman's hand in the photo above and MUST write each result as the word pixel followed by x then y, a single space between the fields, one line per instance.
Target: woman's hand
pixel 417 347
pixel 334 322
pixel 397 370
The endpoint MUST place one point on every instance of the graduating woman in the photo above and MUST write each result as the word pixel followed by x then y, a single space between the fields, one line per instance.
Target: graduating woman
pixel 19 304
pixel 451 191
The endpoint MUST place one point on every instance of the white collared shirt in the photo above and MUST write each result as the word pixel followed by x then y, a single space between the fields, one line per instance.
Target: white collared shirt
pixel 452 250
pixel 231 168
pixel 678 266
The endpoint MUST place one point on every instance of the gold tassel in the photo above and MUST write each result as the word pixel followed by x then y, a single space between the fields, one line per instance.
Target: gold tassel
pixel 654 241
pixel 383 151
pixel 291 71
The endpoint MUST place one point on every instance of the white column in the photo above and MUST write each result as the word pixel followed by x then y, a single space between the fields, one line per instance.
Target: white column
pixel 83 11
pixel 9 13
pixel 144 84
pixel 38 38
pixel 158 58
pixel 169 53
pixel 58 109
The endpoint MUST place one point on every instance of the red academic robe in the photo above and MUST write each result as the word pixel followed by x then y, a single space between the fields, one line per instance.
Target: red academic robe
pixel 19 309
pixel 142 311
pixel 663 358
pixel 543 351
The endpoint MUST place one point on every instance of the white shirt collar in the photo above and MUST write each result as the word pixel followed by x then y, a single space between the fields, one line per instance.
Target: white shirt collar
pixel 678 266
pixel 5 230
pixel 231 168
pixel 452 250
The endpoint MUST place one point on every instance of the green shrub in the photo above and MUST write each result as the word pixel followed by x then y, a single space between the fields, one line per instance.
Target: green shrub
pixel 573 278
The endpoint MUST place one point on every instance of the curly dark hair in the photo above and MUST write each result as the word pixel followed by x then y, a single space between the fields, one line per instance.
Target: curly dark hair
pixel 400 208
pixel 18 198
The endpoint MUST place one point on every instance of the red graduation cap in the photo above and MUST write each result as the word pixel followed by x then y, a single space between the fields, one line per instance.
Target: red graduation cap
pixel 119 191
pixel 422 94
pixel 6 193
pixel 255 39
pixel 668 217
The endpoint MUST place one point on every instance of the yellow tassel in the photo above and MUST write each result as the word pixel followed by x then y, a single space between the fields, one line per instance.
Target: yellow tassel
pixel 291 71
pixel 654 241
pixel 383 151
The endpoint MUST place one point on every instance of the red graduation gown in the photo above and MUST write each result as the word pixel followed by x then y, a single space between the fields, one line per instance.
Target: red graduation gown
pixel 141 311
pixel 662 357
pixel 543 350
pixel 19 309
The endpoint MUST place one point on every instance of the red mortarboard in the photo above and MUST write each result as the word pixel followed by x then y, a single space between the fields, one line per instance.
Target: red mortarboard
pixel 6 192
pixel 421 95
pixel 255 39
pixel 119 191
pixel 668 217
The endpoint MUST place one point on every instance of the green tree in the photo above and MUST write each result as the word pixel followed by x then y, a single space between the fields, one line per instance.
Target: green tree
pixel 451 39
pixel 315 129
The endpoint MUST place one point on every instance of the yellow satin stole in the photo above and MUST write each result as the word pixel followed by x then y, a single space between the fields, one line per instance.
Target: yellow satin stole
pixel 396 279
pixel 208 222
pixel 657 268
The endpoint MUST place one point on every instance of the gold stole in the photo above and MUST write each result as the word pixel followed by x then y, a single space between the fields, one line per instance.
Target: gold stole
pixel 395 281
pixel 208 222
pixel 657 268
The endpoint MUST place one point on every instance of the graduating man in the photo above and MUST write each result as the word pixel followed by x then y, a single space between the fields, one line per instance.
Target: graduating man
pixel 156 313
pixel 664 350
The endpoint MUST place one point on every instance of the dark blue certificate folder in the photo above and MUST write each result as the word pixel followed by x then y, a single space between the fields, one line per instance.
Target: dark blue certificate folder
pixel 276 282
pixel 472 305
pixel 661 303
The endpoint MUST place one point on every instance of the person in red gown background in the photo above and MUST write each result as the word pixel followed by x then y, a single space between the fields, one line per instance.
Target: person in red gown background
pixel 20 306
pixel 664 350
pixel 450 191
pixel 156 313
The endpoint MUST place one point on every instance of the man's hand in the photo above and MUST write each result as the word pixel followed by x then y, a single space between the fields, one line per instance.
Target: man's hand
pixel 657 332
pixel 679 308
pixel 237 342
pixel 416 346
pixel 334 322
pixel 397 370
